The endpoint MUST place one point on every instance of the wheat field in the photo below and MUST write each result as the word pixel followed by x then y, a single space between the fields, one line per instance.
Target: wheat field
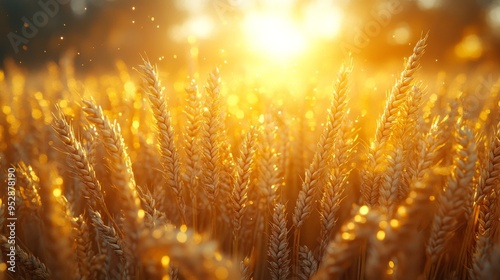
pixel 169 185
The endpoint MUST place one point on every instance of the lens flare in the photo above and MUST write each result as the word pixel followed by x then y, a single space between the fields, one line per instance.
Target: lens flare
pixel 274 36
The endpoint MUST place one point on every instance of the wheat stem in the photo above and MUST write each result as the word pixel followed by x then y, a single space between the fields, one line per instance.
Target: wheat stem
pixel 170 159
pixel 371 177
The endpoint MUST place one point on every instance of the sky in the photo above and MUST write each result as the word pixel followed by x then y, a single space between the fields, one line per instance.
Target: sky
pixel 94 34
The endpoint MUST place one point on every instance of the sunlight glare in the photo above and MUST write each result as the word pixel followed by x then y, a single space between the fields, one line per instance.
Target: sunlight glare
pixel 274 36
pixel 322 19
pixel 199 27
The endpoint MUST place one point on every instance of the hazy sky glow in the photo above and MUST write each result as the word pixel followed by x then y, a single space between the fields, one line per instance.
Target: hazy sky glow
pixel 275 30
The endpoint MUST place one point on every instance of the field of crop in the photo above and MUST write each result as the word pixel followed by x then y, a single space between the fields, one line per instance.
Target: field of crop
pixel 127 177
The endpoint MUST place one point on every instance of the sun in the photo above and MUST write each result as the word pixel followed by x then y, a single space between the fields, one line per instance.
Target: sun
pixel 278 35
pixel 274 36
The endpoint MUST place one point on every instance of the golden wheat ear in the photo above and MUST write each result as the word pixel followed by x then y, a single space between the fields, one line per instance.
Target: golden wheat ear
pixel 279 251
pixel 451 209
pixel 211 131
pixel 410 123
pixel 371 175
pixel 307 262
pixel 267 163
pixel 28 263
pixel 315 175
pixel 192 149
pixel 122 178
pixel 337 181
pixel 92 190
pixel 84 252
pixel 239 194
pixel 486 203
pixel 122 175
pixel 170 159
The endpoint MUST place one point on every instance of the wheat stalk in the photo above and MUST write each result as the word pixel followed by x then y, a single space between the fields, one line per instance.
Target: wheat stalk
pixel 486 204
pixel 239 195
pixel 85 171
pixel 315 174
pixel 123 176
pixel 333 192
pixel 122 168
pixel 107 233
pixel 411 138
pixel 450 208
pixel 170 159
pixel 31 265
pixel 191 147
pixel 211 150
pixel 371 175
